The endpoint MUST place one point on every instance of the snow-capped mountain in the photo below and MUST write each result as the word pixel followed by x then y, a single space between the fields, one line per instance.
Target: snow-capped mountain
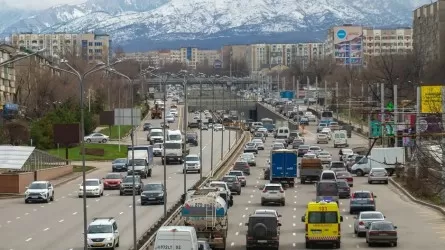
pixel 142 22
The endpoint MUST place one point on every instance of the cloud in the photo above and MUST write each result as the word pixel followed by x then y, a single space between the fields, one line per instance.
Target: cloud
pixel 40 4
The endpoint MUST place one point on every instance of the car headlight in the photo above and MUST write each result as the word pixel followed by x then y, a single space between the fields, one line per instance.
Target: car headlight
pixel 161 194
pixel 109 239
pixel 43 193
pixel 96 189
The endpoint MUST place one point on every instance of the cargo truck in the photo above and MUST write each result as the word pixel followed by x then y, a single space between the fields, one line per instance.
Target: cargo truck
pixel 143 160
pixel 283 168
pixel 387 158
pixel 207 213
pixel 310 170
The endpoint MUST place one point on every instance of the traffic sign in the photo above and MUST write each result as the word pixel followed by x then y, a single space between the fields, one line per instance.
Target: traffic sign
pixel 376 128
pixel 217 64
pixel 287 94
pixel 390 106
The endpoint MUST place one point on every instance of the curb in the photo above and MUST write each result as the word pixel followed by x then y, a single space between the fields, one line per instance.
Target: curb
pixel 414 199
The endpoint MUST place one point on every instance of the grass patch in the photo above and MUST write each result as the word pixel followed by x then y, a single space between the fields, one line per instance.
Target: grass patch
pixel 78 169
pixel 113 133
pixel 111 152
pixel 430 198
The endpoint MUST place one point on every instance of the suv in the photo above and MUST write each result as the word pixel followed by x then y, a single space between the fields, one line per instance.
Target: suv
pixel 103 233
pixel 155 136
pixel 192 163
pixel 273 193
pixel 192 138
pixel 263 231
pixel 39 191
pixel 362 201
pixel 233 183
pixel 127 185
pixel 242 165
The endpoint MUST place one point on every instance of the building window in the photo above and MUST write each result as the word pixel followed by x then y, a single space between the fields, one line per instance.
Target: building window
pixel 90 43
pixel 97 43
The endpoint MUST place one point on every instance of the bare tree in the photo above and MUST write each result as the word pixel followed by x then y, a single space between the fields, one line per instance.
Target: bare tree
pixel 16 133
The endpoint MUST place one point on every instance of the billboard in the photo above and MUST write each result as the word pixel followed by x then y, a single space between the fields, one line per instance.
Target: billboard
pixel 348 45
pixel 431 99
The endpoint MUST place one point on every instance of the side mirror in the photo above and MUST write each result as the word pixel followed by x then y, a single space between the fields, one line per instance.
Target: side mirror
pixel 395 227
pixel 341 218
pixel 246 224
pixel 303 218
pixel 279 224
pixel 279 216
pixel 355 217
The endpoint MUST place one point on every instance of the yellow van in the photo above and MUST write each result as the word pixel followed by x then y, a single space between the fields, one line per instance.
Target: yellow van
pixel 322 224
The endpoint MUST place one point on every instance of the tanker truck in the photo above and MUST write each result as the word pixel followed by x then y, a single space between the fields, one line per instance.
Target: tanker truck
pixel 206 211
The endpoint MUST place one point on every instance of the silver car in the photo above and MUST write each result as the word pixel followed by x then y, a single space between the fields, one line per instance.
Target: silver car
pixel 381 232
pixel 378 175
pixel 97 137
pixel 364 220
pixel 259 143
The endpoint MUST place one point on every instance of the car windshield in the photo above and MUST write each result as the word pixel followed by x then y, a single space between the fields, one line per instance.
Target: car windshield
pixel 272 188
pixel 156 133
pixel 174 137
pixel 371 216
pixel 171 145
pixel 343 174
pixel 293 134
pixel 229 179
pixel 92 183
pixel 322 136
pixel 237 173
pixel 342 184
pixel 322 217
pixel 122 160
pixel 310 156
pixel 382 226
pixel 314 148
pixel 130 179
pixel 153 187
pixel 222 185
pixel 157 145
pixel 113 176
pixel 136 162
pixel 324 154
pixel 37 186
pixel 100 229
pixel 192 158
pixel 362 195
pixel 250 144
pixel 337 165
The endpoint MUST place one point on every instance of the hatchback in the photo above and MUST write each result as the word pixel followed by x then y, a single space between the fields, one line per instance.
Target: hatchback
pixel 296 143
pixel 381 232
pixel 378 175
pixel 362 201
pixel 233 183
pixel 242 166
pixel 364 220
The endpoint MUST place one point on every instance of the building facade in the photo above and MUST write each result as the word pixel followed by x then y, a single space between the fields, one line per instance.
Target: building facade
pixel 89 46
pixel 429 31
pixel 387 41
pixel 7 75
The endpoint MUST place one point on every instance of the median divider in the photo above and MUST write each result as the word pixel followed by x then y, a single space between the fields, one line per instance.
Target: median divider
pixel 173 214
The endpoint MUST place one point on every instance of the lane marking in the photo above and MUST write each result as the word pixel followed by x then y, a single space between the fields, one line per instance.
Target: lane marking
pixel 244 216
pixel 248 202
pixel 347 217
pixel 107 195
pixel 130 206
pixel 26 213
pixel 74 213
pixel 97 200
pixel 251 196
pixel 295 202
pixel 350 225
pixel 57 200
pixel 295 209
pixel 29 239
pixel 34 210
pixel 42 206
pixel 294 216
pixel 121 212
pixel 294 225
pixel 46 229
pixel 294 234
pixel 17 218
pixel 294 245
pixel 240 224
pixel 236 233
pixel 88 206
pixel 247 208
pixel 61 221
pixel 63 197
pixel 357 246
pixel 8 221
pixel 232 244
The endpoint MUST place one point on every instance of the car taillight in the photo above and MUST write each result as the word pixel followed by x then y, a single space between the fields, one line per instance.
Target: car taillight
pixel 349 179
pixel 373 233
pixel 361 223
pixel 281 191
pixel 264 191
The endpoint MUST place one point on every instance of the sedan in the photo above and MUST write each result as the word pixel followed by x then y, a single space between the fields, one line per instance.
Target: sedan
pixel 170 118
pixel 251 147
pixel 233 183
pixel 153 193
pixel 259 143
pixel 240 175
pixel 112 180
pixel 119 165
pixel 147 126
pixel 362 201
pixel 381 232
pixel 345 175
pixel 249 157
pixel 297 143
pixel 325 157
pixel 364 219
pixel 97 137
pixel 344 191
pixel 378 175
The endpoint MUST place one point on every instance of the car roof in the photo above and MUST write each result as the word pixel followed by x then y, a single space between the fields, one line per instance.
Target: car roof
pixel 262 216
pixel 228 175
pixel 362 191
pixel 38 182
pixel 103 221
pixel 273 185
pixel 265 211
pixel 370 212
pixel 155 182
pixel 192 155
pixel 94 179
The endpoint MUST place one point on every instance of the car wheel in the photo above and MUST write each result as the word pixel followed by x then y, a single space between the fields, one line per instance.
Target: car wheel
pixel 359 172
pixel 121 193
pixel 52 197
pixel 26 201
pixel 308 245
pixel 104 141
pixel 88 140
pixel 283 203
pixel 386 182
pixel 118 242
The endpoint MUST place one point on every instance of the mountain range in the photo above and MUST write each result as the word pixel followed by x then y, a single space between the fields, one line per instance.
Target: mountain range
pixel 139 25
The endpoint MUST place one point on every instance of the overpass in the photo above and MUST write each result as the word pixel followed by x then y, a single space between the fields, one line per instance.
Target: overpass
pixel 220 100
pixel 243 83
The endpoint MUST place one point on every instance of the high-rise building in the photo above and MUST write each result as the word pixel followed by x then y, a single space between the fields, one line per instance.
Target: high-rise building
pixel 429 32
pixel 88 46
pixel 7 75
pixel 386 41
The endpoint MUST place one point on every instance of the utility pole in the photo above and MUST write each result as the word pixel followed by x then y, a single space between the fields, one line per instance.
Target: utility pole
pixel 382 110
pixel 396 118
pixel 325 93
pixel 298 89
pixel 336 97
pixel 417 141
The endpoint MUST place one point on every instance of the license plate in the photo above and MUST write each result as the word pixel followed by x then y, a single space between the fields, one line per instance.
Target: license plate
pixel 383 234
pixel 34 197
pixel 316 232
pixel 362 202
pixel 272 192
pixel 151 198
pixel 262 241
pixel 98 244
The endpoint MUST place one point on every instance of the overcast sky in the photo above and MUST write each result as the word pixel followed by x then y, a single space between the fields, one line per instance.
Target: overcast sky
pixel 39 4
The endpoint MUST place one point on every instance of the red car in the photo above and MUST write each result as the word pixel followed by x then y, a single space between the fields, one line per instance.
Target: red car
pixel 112 180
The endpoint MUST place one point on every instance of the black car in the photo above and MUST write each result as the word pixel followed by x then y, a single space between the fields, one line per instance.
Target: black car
pixel 153 193
pixel 127 185
pixel 302 150
pixel 344 191
pixel 263 231
pixel 192 138
pixel 194 124
pixel 147 126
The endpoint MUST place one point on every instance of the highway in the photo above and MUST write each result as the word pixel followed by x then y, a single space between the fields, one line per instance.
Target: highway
pixel 59 225
pixel 418 226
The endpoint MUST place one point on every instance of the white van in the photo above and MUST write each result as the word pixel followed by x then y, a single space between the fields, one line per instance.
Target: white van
pixel 175 136
pixel 340 138
pixel 282 133
pixel 328 175
pixel 176 237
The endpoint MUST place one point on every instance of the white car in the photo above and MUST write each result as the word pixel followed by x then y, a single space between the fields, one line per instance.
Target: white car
pixel 192 163
pixel 268 211
pixel 39 191
pixel 273 193
pixel 310 156
pixel 264 131
pixel 96 137
pixel 259 143
pixel 328 132
pixel 103 233
pixel 315 149
pixel 218 127
pixel 170 118
pixel 158 149
pixel 94 187
pixel 174 112
pixel 364 219
pixel 325 157
pixel 378 175
pixel 310 116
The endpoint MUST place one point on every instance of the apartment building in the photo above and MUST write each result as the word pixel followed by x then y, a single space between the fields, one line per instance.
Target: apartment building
pixel 239 53
pixel 386 41
pixel 429 31
pixel 88 46
pixel 7 75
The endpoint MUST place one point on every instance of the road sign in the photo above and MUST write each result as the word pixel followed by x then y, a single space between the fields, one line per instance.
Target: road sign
pixel 390 106
pixel 376 128
pixel 287 94
pixel 389 128
pixel 217 64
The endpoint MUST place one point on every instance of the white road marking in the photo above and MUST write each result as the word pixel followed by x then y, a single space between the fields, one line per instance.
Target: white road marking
pixel 138 200
pixel 295 191
pixel 236 233
pixel 130 206
pixel 254 191
pixel 232 244
pixel 240 224
pixel 204 147
pixel 17 218
pixel 69 194
pixel 63 197
pixel 121 212
pixel 46 229
pixel 50 203
pixel 294 234
pixel 294 245
pixel 257 182
pixel 97 200
pixel 247 208
pixel 42 206
pixel 249 202
pixel 344 210
pixel 350 225
pixel 169 177
pixel 57 200
pixel 88 206
pixel 295 197
pixel 244 216
pixel 357 246
pixel 34 210
pixel 29 239
pixel 74 213
pixel 295 209
pixel 295 202
pixel 251 196
pixel 346 217
pixel 294 225
pixel 8 221
pixel 107 195
pixel 294 216
pixel 61 221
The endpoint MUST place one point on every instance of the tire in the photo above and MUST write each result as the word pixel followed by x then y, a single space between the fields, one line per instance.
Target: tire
pixel 88 140
pixel 80 196
pixel 369 182
pixel 104 141
pixel 26 201
pixel 337 244
pixel 394 244
pixel 149 173
pixel 386 182
pixel 283 203
pixel 370 244
pixel 259 230
pixel 359 173
pixel 121 193
pixel 239 193
pixel 47 200
pixel 263 203
pixel 308 245
pixel 118 242
pixel 52 197
pixel 102 194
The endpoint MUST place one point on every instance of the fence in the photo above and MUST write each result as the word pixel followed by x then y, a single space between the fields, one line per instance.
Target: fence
pixel 40 160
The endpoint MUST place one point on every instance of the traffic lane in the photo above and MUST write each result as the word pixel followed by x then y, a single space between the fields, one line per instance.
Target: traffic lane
pixel 250 200
pixel 121 210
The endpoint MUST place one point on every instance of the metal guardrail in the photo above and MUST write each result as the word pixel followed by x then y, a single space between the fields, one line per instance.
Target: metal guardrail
pixel 41 160
pixel 174 212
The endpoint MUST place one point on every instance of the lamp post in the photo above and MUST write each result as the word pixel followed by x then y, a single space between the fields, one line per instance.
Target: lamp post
pixel 81 78
pixel 20 56
pixel 200 130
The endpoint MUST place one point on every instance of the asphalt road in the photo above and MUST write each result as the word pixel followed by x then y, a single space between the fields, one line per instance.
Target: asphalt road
pixel 59 224
pixel 419 227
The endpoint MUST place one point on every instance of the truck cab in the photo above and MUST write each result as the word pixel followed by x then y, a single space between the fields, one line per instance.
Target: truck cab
pixel 173 152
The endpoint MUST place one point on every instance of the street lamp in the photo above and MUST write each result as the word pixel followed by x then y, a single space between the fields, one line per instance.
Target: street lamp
pixel 20 56
pixel 81 77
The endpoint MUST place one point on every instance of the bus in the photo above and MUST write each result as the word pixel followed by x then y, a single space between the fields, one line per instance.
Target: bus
pixel 327 116
pixel 268 123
